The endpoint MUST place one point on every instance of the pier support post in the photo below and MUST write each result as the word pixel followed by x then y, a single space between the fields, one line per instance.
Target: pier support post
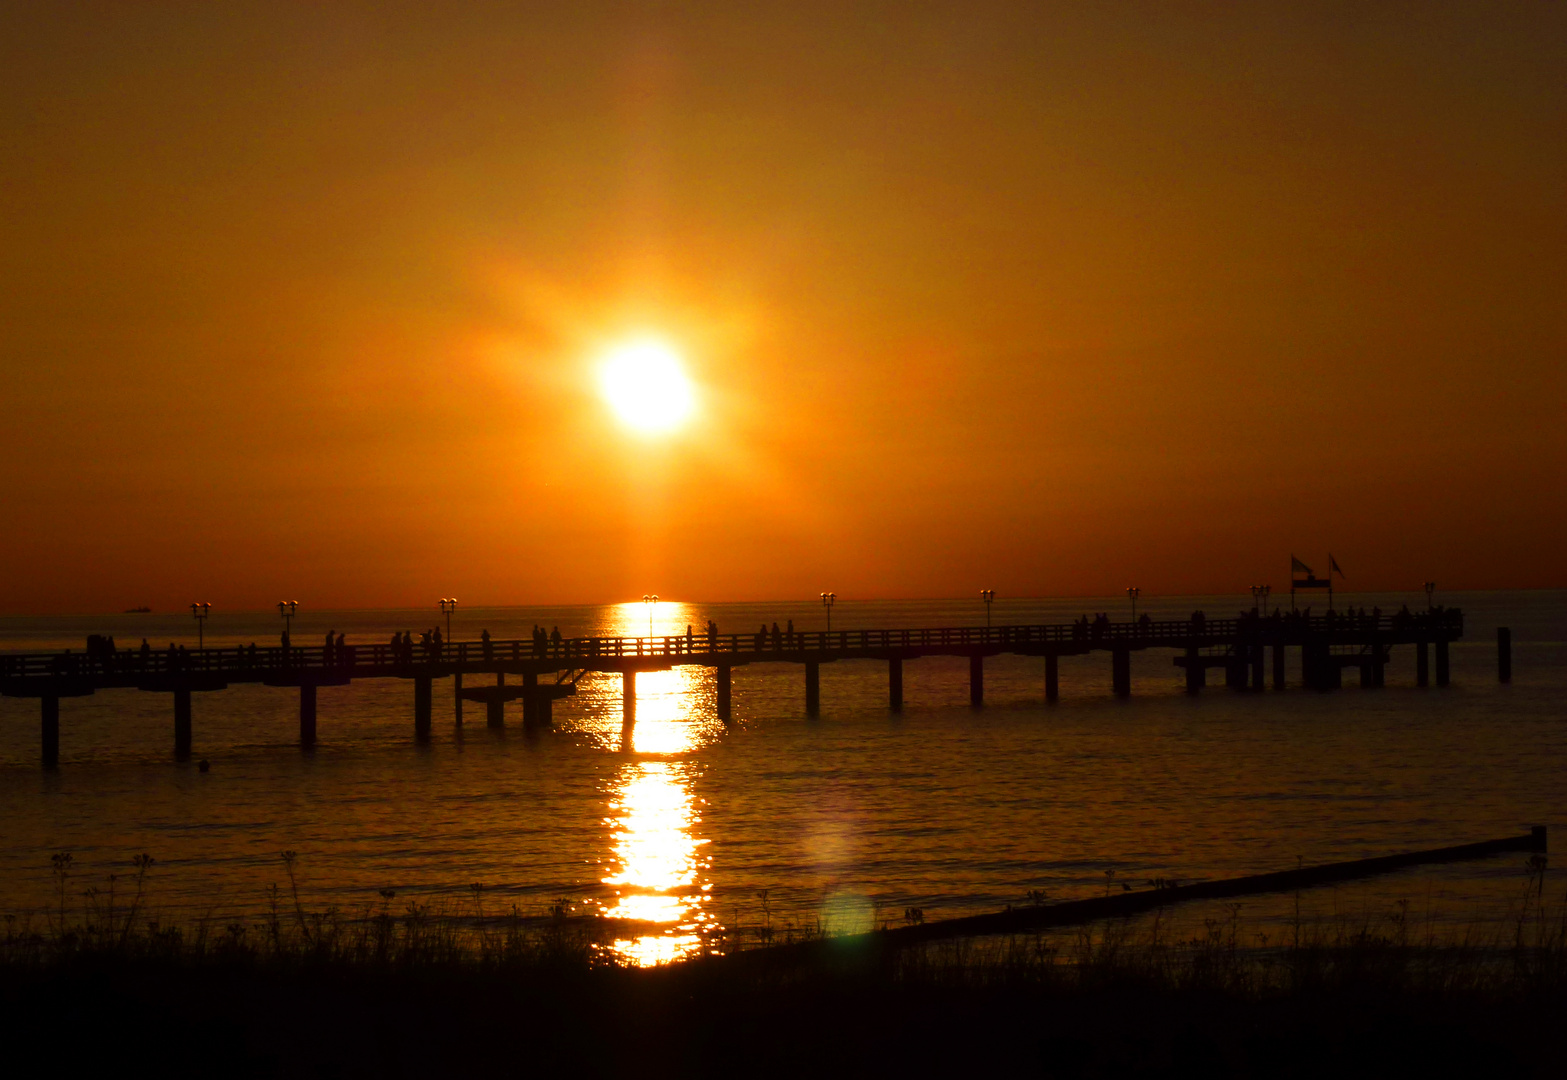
pixel 1278 667
pixel 457 697
pixel 813 688
pixel 307 715
pixel 1504 654
pixel 1368 677
pixel 1441 662
pixel 538 710
pixel 182 722
pixel 895 683
pixel 1235 669
pixel 51 732
pixel 1378 665
pixel 724 692
pixel 976 680
pixel 422 699
pixel 531 701
pixel 1196 674
pixel 628 699
pixel 1258 664
pixel 1052 677
pixel 495 708
pixel 1121 671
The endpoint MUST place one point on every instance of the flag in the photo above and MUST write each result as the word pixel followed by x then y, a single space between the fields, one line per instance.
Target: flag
pixel 1298 567
pixel 1333 566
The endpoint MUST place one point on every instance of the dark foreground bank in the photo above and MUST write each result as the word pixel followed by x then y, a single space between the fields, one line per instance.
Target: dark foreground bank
pixel 1116 1003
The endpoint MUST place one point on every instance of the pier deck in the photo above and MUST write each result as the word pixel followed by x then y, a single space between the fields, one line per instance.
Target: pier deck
pixel 1240 647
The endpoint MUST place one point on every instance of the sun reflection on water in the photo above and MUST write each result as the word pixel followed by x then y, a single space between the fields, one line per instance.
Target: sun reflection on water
pixel 658 872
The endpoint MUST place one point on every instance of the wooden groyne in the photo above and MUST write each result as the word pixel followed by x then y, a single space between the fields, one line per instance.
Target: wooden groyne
pixel 1120 905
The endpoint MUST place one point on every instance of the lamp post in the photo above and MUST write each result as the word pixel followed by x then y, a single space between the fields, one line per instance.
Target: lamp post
pixel 1430 588
pixel 989 597
pixel 828 600
pixel 650 599
pixel 1132 593
pixel 201 611
pixel 1267 591
pixel 448 605
pixel 288 609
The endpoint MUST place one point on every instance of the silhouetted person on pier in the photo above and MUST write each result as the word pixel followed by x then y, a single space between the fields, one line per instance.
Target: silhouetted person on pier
pixel 485 646
pixel 326 650
pixel 777 637
pixel 146 654
pixel 761 638
pixel 689 649
pixel 555 637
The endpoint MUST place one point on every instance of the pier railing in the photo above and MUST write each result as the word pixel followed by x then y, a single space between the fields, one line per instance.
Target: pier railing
pixel 259 662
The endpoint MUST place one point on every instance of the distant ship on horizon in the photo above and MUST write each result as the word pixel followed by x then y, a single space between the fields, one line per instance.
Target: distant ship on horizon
pixel 143 610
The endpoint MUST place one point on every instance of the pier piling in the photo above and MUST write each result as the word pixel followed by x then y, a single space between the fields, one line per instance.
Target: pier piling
pixel 976 680
pixel 1258 665
pixel 1052 677
pixel 1504 654
pixel 1235 670
pixel 307 715
pixel 51 731
pixel 182 722
pixel 457 697
pixel 1441 662
pixel 724 692
pixel 1121 671
pixel 422 700
pixel 533 703
pixel 895 683
pixel 813 688
pixel 495 707
pixel 1278 667
pixel 628 698
pixel 1196 674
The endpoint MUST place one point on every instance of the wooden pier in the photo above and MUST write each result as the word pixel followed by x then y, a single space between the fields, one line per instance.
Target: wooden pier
pixel 548 670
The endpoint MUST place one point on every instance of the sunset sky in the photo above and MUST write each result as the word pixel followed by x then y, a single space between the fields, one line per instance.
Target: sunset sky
pixel 313 300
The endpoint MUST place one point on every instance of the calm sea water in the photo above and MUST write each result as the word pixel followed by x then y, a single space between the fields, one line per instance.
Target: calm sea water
pixel 851 818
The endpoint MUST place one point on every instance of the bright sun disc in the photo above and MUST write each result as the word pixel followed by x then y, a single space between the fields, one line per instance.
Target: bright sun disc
pixel 646 386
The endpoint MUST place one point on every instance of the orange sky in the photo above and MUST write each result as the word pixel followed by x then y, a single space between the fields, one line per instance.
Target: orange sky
pixel 304 300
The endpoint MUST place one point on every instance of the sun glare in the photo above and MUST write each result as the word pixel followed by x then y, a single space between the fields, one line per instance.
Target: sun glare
pixel 646 386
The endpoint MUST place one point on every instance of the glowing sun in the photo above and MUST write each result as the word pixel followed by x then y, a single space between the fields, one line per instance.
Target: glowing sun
pixel 646 386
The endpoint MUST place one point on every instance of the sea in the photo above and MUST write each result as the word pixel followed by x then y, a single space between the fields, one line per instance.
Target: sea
pixel 683 828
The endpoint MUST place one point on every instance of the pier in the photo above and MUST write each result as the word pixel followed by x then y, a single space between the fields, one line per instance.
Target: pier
pixel 1243 650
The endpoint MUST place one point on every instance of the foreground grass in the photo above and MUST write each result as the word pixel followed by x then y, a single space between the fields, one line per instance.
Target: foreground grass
pixel 428 993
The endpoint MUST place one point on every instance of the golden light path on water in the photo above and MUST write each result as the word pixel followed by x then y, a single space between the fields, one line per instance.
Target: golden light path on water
pixel 658 871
